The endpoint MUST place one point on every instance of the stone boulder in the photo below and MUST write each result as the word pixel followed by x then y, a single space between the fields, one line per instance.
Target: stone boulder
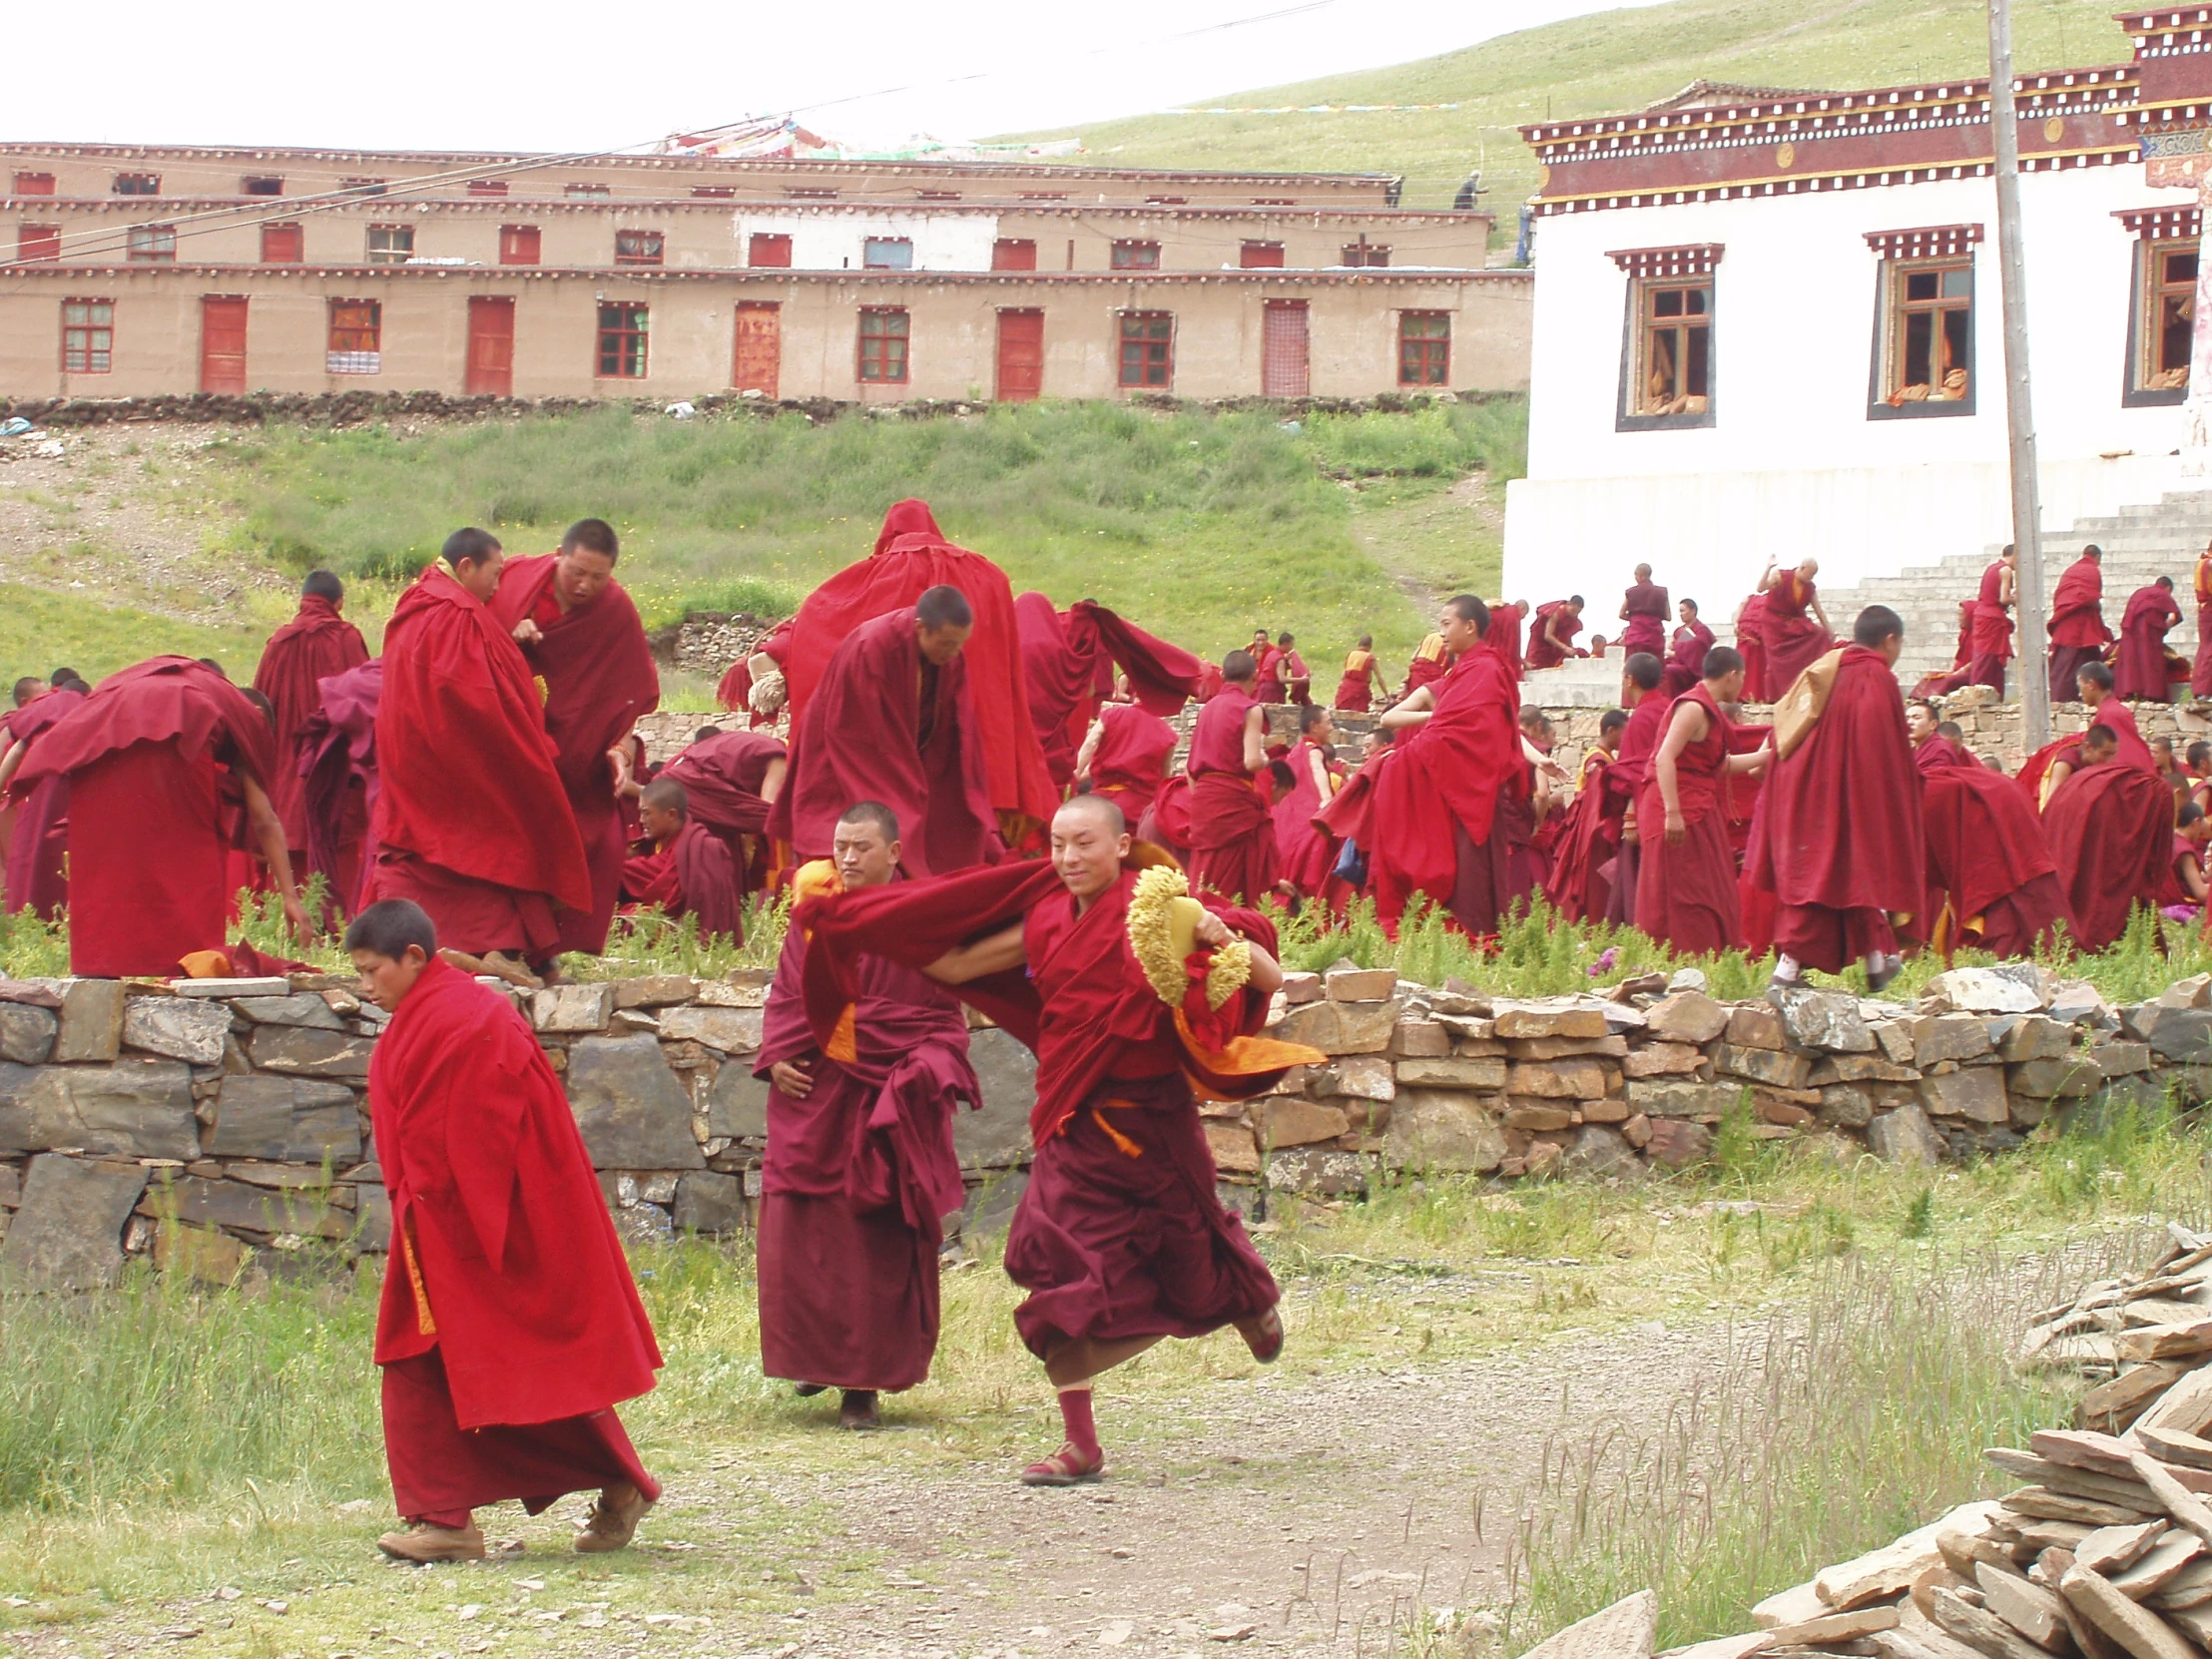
pixel 309 1052
pixel 27 1034
pixel 131 1109
pixel 177 1028
pixel 1622 1631
pixel 298 1120
pixel 2008 989
pixel 708 1203
pixel 67 1233
pixel 997 1134
pixel 633 1112
pixel 725 1031
pixel 92 1020
pixel 1825 1020
pixel 737 1104
pixel 1441 1129
pixel 1905 1136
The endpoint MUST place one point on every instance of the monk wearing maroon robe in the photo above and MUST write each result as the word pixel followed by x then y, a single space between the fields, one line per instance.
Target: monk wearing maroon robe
pixel 473 823
pixel 754 686
pixel 1307 854
pixel 2098 688
pixel 1644 608
pixel 581 636
pixel 1686 880
pixel 1451 811
pixel 1992 885
pixel 1125 755
pixel 684 870
pixel 37 847
pixel 860 1169
pixel 893 719
pixel 1961 662
pixel 1992 620
pixel 2200 678
pixel 1431 662
pixel 1233 849
pixel 166 765
pixel 335 753
pixel 1685 664
pixel 1840 842
pixel 1069 659
pixel 1504 635
pixel 1588 843
pixel 1751 644
pixel 509 1325
pixel 2139 672
pixel 1119 1237
pixel 314 645
pixel 1795 627
pixel 2078 630
pixel 1644 695
pixel 1551 633
pixel 731 780
pixel 2109 827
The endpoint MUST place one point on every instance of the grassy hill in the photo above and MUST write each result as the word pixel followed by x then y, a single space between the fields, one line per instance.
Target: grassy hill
pixel 1611 62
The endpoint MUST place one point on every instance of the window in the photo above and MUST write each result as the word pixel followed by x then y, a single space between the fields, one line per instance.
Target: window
pixel 1260 256
pixel 638 247
pixel 765 250
pixel 585 192
pixel 38 242
pixel 883 335
pixel 518 245
pixel 1366 254
pixel 888 253
pixel 2163 321
pixel 390 244
pixel 1924 335
pixel 715 192
pixel 138 183
pixel 1013 253
pixel 151 245
pixel 260 185
pixel 356 337
pixel 1424 348
pixel 487 187
pixel 282 245
pixel 622 343
pixel 363 186
pixel 1136 256
pixel 1667 346
pixel 87 336
pixel 32 183
pixel 1147 349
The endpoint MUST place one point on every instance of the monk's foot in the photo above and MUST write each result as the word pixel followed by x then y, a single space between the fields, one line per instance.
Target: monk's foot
pixel 613 1521
pixel 1882 969
pixel 858 1410
pixel 424 1544
pixel 807 1391
pixel 1263 1335
pixel 499 964
pixel 1066 1468
pixel 464 960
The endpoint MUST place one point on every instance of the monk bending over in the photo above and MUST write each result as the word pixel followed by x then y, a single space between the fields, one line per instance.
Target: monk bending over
pixel 683 868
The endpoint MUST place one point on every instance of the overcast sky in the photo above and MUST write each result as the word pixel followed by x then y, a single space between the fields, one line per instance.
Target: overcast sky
pixel 465 74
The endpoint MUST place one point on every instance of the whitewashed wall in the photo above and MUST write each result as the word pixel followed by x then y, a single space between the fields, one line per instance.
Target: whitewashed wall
pixel 833 241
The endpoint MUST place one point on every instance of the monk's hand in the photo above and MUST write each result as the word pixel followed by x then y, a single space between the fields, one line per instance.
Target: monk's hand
pixel 619 759
pixel 1211 930
pixel 791 1079
pixel 295 917
pixel 1676 829
pixel 528 632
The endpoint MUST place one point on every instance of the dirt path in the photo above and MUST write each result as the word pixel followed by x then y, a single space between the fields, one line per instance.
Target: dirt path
pixel 1435 545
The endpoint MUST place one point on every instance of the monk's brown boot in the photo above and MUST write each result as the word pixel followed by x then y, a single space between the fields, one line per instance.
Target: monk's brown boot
pixel 613 1522
pixel 858 1410
pixel 424 1544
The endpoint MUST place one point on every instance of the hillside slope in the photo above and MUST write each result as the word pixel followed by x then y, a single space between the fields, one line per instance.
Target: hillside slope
pixel 1613 61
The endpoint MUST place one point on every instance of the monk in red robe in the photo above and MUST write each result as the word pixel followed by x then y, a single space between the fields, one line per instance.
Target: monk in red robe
pixel 1751 644
pixel 1504 635
pixel 2109 827
pixel 473 821
pixel 509 1325
pixel 1588 843
pixel 860 1170
pixel 166 765
pixel 2098 687
pixel 2140 670
pixel 1298 679
pixel 1233 849
pixel 2200 678
pixel 895 719
pixel 1119 1237
pixel 1307 854
pixel 581 636
pixel 1551 633
pixel 37 846
pixel 1451 810
pixel 1267 656
pixel 1961 662
pixel 1429 663
pixel 1685 664
pixel 1362 679
pixel 754 686
pixel 1125 757
pixel 1686 880
pixel 314 645
pixel 1795 627
pixel 2078 630
pixel 1644 608
pixel 1992 620
pixel 1643 694
pixel 1069 659
pixel 2186 891
pixel 1991 882
pixel 1839 842
pixel 683 868
pixel 335 753
pixel 731 780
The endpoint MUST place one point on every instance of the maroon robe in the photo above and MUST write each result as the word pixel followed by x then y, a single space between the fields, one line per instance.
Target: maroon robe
pixel 1504 637
pixel 722 778
pixel 1069 661
pixel 2200 676
pixel 1685 664
pixel 859 1175
pixel 1542 653
pixel 1646 608
pixel 310 649
pixel 2139 674
pixel 1794 640
pixel 2110 831
pixel 1988 867
pixel 1840 842
pixel 1582 861
pixel 1307 854
pixel 1751 643
pixel 37 871
pixel 1992 630
pixel 2078 635
pixel 694 875
pixel 1624 777
pixel 1233 847
pixel 1130 763
pixel 1685 893
pixel 336 757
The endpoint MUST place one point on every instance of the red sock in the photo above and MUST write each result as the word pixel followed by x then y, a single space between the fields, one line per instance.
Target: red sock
pixel 1075 1413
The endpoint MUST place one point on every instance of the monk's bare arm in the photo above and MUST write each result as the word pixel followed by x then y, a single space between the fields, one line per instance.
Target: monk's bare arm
pixel 1752 761
pixel 269 834
pixel 1414 711
pixel 1822 615
pixel 12 762
pixel 772 778
pixel 1688 726
pixel 992 953
pixel 1256 741
pixel 2192 880
pixel 1089 751
pixel 1267 973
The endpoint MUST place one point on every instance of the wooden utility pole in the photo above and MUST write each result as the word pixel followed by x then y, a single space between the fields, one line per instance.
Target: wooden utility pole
pixel 2019 411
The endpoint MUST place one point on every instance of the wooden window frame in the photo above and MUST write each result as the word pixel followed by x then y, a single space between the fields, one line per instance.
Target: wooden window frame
pixel 583 189
pixel 364 187
pixel 514 237
pixel 299 234
pixel 150 244
pixel 889 343
pixel 768 241
pixel 1260 256
pixel 384 256
pixel 1151 349
pixel 1364 256
pixel 1646 317
pixel 1894 309
pixel 1128 254
pixel 1005 258
pixel 27 184
pixel 126 183
pixel 98 336
pixel 353 342
pixel 2148 292
pixel 624 336
pixel 648 248
pixel 1418 352
pixel 486 186
pixel 38 244
pixel 869 244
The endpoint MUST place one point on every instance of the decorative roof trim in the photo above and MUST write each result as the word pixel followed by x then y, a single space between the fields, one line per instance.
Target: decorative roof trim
pixel 1695 260
pixel 1929 242
pixel 2162 224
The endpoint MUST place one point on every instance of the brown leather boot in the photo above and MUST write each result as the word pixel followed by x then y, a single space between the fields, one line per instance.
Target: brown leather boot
pixel 613 1522
pixel 424 1544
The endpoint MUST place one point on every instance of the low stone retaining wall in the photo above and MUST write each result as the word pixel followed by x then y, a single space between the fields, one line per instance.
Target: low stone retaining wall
pixel 222 1125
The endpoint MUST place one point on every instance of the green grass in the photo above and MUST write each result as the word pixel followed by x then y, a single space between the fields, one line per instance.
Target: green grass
pixel 42 630
pixel 1611 63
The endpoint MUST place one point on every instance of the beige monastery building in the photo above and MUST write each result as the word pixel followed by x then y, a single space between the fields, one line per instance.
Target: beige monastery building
pixel 130 270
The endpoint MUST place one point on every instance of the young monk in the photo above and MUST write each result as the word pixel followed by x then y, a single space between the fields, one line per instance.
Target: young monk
pixel 1267 658
pixel 1362 678
pixel 1795 628
pixel 1430 661
pixel 731 780
pixel 1686 880
pixel 1685 664
pixel 1125 757
pixel 2109 827
pixel 861 1168
pixel 1644 609
pixel 509 1325
pixel 680 868
pixel 1233 849
pixel 1504 635
pixel 2140 671
pixel 1750 642
pixel 1992 620
pixel 2186 870
pixel 1119 1237
pixel 2078 635
pixel 1551 639
pixel 1839 842
pixel 1590 830
pixel 1991 879
pixel 1647 703
pixel 1306 854
pixel 314 645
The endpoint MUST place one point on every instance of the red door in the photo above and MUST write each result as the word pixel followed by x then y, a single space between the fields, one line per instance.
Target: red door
pixel 1282 352
pixel 223 346
pixel 491 346
pixel 760 350
pixel 1020 356
pixel 282 244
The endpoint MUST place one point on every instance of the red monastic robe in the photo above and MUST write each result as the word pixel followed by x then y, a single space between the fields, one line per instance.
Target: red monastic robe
pixel 1647 608
pixel 2139 674
pixel 1624 777
pixel 734 692
pixel 2131 750
pixel 472 820
pixel 1686 894
pixel 310 649
pixel 1993 629
pixel 1233 846
pixel 1268 686
pixel 859 1175
pixel 1167 822
pixel 2110 829
pixel 1504 637
pixel 1070 659
pixel 867 734
pixel 1751 644
pixel 2200 678
pixel 37 848
pixel 2078 630
pixel 1306 854
pixel 1355 690
pixel 1794 641
pixel 1961 662
pixel 509 1325
pixel 1588 843
pixel 694 875
pixel 1685 664
pixel 336 757
pixel 1840 842
pixel 1542 653
pixel 1428 664
pixel 722 778
pixel 1992 881
pixel 1131 760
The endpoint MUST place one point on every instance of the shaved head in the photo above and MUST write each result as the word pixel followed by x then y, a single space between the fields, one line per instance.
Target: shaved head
pixel 1098 807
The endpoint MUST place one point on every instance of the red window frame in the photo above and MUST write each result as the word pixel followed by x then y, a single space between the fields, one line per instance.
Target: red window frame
pixel 640 246
pixel 1135 255
pixel 88 340
pixel 624 341
pixel 519 244
pixel 1147 351
pixel 1424 348
pixel 1013 253
pixel 30 183
pixel 357 325
pixel 283 244
pixel 487 187
pixel 715 192
pixel 769 250
pixel 1371 256
pixel 885 345
pixel 38 242
pixel 150 244
pixel 1260 256
pixel 137 184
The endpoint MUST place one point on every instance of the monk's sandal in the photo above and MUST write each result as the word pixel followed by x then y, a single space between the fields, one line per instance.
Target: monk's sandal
pixel 612 1523
pixel 424 1544
pixel 1065 1468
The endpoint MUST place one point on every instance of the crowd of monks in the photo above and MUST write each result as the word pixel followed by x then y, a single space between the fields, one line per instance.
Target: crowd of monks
pixel 974 805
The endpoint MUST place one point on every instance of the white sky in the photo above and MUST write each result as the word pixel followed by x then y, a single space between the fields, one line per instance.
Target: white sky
pixel 465 74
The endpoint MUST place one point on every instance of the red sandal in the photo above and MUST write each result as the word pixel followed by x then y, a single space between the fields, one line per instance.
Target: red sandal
pixel 1268 1347
pixel 1065 1468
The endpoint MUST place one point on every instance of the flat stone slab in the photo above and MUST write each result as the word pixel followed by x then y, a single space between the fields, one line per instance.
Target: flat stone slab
pixel 177 1028
pixel 1622 1631
pixel 997 1134
pixel 27 1034
pixel 132 1108
pixel 67 1233
pixel 293 1119
pixel 268 985
pixel 633 1112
